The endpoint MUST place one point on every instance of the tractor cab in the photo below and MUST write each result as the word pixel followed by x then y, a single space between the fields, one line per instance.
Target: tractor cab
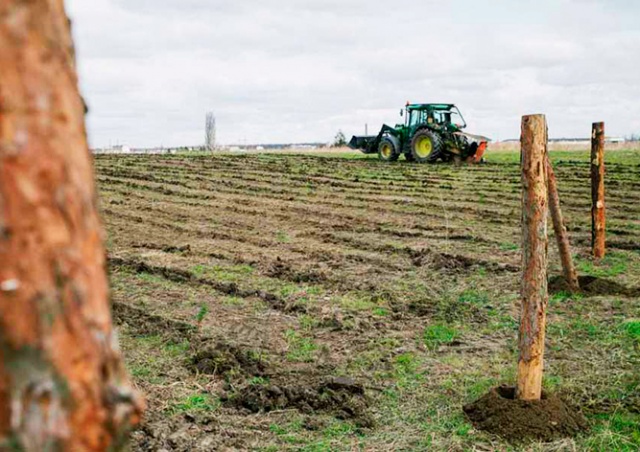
pixel 444 116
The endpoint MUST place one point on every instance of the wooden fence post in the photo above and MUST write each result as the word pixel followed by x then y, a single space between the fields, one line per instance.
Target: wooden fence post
pixel 560 231
pixel 597 190
pixel 63 385
pixel 534 257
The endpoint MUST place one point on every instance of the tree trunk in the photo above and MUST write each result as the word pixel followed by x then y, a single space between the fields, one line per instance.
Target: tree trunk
pixel 597 190
pixel 62 381
pixel 560 231
pixel 534 257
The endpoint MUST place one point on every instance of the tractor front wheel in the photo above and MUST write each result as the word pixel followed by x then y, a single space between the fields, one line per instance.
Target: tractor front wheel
pixel 387 151
pixel 426 146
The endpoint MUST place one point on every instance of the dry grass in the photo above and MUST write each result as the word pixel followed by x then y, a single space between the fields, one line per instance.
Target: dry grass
pixel 402 276
pixel 564 146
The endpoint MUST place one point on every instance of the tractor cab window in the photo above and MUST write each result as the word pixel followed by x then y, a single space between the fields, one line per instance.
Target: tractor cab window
pixel 456 118
pixel 442 117
pixel 415 118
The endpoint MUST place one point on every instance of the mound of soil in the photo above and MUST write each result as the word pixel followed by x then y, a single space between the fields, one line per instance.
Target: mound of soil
pixel 499 412
pixel 455 262
pixel 223 359
pixel 591 285
pixel 209 357
pixel 340 396
pixel 144 323
pixel 284 270
pixel 439 261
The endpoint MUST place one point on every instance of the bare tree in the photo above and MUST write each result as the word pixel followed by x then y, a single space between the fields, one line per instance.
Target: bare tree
pixel 339 140
pixel 210 132
pixel 63 385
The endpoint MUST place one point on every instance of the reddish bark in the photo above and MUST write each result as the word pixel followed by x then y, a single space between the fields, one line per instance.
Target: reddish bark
pixel 62 382
pixel 560 231
pixel 534 257
pixel 597 190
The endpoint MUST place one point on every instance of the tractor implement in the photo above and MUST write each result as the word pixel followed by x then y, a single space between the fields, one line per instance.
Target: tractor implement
pixel 370 144
pixel 431 132
pixel 478 142
pixel 366 144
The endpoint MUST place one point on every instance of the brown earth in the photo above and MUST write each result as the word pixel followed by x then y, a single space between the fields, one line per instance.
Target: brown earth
pixel 592 285
pixel 500 413
pixel 305 303
pixel 340 396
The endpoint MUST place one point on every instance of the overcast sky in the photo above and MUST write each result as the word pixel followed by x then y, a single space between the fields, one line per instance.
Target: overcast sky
pixel 298 70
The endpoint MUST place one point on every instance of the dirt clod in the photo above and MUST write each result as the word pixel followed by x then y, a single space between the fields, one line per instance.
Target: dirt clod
pixel 222 359
pixel 340 396
pixel 286 270
pixel 499 412
pixel 345 384
pixel 455 262
pixel 591 285
pixel 144 323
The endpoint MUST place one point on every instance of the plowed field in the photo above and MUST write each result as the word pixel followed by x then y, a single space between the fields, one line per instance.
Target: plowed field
pixel 297 302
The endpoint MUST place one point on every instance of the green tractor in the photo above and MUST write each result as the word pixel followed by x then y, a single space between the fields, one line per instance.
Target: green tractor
pixel 430 132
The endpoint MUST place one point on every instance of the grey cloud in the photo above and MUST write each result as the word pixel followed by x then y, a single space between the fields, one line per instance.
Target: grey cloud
pixel 286 70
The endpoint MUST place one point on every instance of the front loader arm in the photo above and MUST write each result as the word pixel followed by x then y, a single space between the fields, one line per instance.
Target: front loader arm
pixel 369 144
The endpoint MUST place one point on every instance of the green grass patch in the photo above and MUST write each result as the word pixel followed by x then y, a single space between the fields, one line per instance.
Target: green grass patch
pixel 259 381
pixel 283 237
pixel 551 382
pixel 469 305
pixel 140 370
pixel 200 270
pixel 508 246
pixel 300 348
pixel 563 297
pixel 356 303
pixel 294 290
pixel 196 403
pixel 233 301
pixel 228 273
pixel 474 297
pixel 439 334
pixel 338 429
pixel 202 313
pixel 613 264
pixel 407 375
pixel 617 432
pixel 381 312
pixel 308 322
pixel 177 349
pixel 289 432
pixel 480 387
pixel 632 329
pixel 151 279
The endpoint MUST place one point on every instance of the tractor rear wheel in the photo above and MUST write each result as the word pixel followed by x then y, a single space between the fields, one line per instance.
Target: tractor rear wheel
pixel 426 146
pixel 387 151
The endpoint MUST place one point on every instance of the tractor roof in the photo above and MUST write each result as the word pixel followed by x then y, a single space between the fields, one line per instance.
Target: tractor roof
pixel 430 106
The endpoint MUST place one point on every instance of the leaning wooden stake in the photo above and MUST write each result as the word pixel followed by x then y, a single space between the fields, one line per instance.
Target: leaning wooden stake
pixel 534 257
pixel 63 385
pixel 560 231
pixel 597 190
